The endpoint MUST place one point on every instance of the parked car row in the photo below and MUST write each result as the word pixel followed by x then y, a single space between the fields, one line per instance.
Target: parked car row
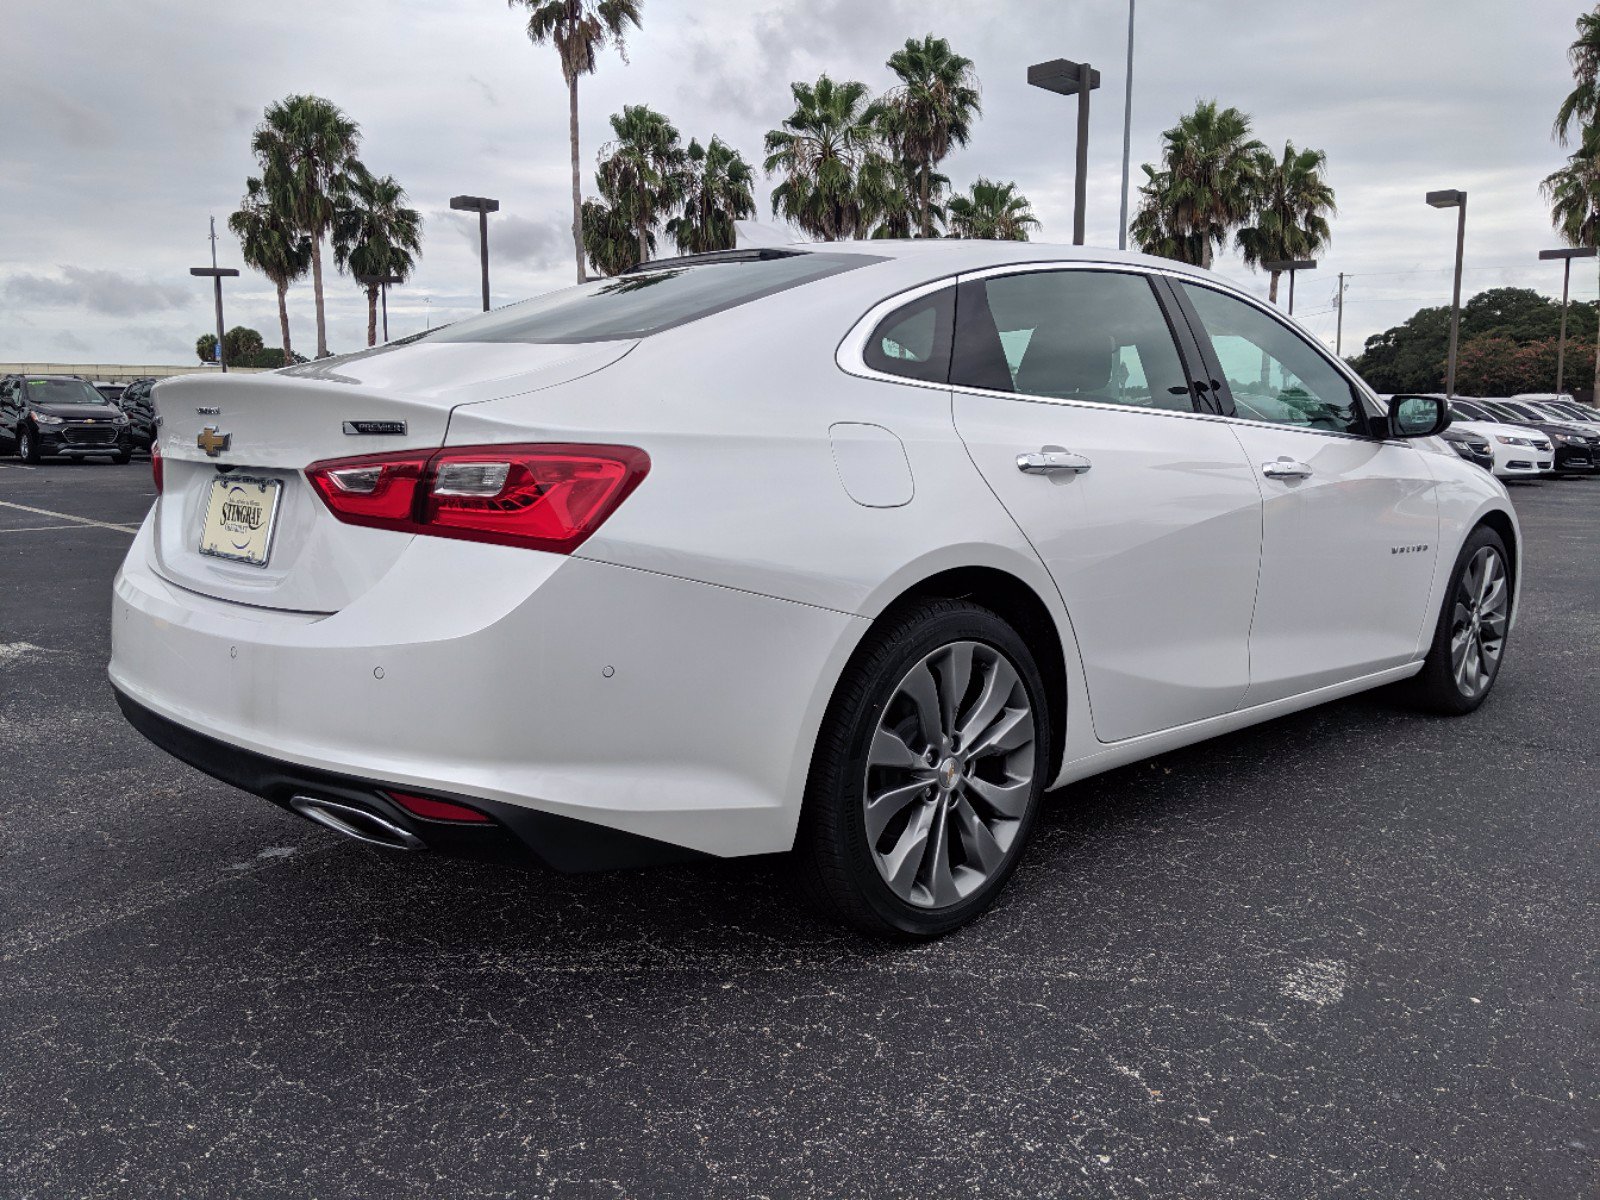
pixel 43 416
pixel 1527 438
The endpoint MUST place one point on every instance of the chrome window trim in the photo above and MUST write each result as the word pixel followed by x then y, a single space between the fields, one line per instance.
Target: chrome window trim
pixel 850 356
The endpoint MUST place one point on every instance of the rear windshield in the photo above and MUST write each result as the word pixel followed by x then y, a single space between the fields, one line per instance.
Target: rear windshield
pixel 634 306
pixel 63 391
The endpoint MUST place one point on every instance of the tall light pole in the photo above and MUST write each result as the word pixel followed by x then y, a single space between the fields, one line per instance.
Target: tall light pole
pixel 381 282
pixel 1566 255
pixel 1291 265
pixel 216 274
pixel 483 206
pixel 1452 198
pixel 1127 135
pixel 1067 78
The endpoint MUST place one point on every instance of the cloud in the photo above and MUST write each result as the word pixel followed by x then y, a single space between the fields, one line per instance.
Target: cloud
pixel 513 239
pixel 99 291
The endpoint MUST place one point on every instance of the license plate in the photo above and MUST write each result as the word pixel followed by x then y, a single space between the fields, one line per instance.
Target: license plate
pixel 239 519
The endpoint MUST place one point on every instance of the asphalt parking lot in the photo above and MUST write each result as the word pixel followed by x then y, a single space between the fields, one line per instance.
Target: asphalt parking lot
pixel 1350 952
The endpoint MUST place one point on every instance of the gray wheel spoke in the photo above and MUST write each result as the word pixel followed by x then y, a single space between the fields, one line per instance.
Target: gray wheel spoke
pixel 901 865
pixel 955 674
pixel 998 683
pixel 982 851
pixel 919 687
pixel 1007 799
pixel 889 749
pixel 941 881
pixel 1013 730
pixel 884 807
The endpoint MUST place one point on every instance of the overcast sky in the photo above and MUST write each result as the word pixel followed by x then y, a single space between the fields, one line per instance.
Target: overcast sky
pixel 123 127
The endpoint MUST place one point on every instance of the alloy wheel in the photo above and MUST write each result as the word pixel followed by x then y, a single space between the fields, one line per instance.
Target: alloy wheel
pixel 949 774
pixel 1478 622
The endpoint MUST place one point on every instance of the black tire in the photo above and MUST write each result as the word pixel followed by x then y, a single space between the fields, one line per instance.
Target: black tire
pixel 1437 688
pixel 836 866
pixel 122 456
pixel 28 445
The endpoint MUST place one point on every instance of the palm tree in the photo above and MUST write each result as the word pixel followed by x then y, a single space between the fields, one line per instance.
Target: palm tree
pixel 930 112
pixel 1582 105
pixel 374 233
pixel 610 241
pixel 302 144
pixel 994 211
pixel 1573 193
pixel 578 29
pixel 642 171
pixel 1152 228
pixel 272 244
pixel 1292 205
pixel 1210 163
pixel 830 156
pixel 717 192
pixel 896 209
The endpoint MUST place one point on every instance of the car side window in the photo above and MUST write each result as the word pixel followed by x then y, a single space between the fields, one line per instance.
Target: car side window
pixel 1069 335
pixel 914 341
pixel 1274 374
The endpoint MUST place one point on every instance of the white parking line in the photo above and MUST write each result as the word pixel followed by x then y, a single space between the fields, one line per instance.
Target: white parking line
pixel 46 512
pixel 35 528
pixel 16 467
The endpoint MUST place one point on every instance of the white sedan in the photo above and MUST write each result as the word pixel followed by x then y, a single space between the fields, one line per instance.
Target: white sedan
pixel 1520 452
pixel 850 550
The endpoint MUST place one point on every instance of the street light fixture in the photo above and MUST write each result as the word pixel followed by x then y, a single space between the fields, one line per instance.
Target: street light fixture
pixel 1566 255
pixel 381 282
pixel 1452 198
pixel 483 206
pixel 1291 265
pixel 1067 78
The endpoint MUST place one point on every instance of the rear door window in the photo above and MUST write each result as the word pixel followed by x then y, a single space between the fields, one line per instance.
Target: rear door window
pixel 1098 336
pixel 646 302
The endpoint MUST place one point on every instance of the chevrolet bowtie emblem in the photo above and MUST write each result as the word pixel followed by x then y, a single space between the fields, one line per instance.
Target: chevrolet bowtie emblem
pixel 212 441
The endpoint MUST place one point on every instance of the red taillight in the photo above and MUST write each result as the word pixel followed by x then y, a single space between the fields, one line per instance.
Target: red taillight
pixel 543 497
pixel 436 810
pixel 155 467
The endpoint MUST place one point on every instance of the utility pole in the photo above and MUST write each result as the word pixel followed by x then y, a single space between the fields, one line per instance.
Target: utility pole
pixel 1338 335
pixel 1127 135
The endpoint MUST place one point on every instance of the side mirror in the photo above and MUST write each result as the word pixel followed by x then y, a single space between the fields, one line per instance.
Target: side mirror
pixel 1418 416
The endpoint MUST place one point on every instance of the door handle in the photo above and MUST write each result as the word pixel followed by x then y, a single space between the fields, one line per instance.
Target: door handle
pixel 1053 462
pixel 1285 468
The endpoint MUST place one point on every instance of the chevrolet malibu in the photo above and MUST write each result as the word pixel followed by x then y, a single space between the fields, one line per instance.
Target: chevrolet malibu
pixel 848 550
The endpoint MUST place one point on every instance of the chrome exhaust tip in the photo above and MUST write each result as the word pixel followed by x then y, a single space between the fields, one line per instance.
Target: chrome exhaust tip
pixel 358 823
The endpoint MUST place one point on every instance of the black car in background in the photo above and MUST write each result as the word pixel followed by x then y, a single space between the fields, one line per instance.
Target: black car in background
pixel 1577 451
pixel 44 415
pixel 136 406
pixel 1473 447
pixel 111 391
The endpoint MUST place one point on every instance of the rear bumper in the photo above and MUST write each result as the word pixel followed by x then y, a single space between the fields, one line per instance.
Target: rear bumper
pixel 515 835
pixel 654 706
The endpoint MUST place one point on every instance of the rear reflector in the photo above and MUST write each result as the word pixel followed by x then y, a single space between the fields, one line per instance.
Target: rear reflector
pixel 542 497
pixel 436 810
pixel 155 467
